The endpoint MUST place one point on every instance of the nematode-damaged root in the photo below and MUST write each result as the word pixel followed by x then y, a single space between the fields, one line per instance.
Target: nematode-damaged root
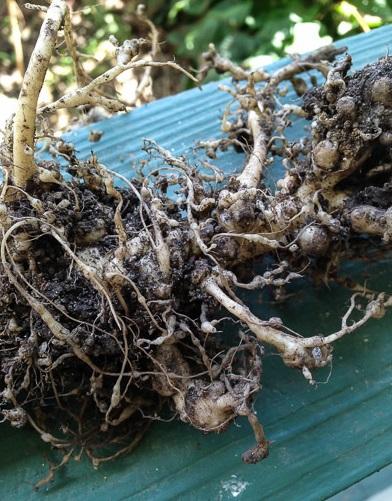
pixel 115 301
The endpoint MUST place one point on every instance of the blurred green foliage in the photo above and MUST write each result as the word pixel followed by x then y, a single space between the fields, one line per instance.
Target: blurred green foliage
pixel 241 30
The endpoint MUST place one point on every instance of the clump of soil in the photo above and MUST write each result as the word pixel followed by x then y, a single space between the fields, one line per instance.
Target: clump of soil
pixel 114 301
pixel 97 334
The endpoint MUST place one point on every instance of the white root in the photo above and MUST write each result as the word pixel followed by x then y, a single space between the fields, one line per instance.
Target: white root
pixel 293 352
pixel 24 124
pixel 251 174
pixel 25 117
pixel 297 352
pixel 88 94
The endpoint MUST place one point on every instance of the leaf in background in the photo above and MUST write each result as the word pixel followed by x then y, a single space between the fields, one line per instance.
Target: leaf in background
pixel 191 7
pixel 218 23
pixel 232 13
pixel 238 46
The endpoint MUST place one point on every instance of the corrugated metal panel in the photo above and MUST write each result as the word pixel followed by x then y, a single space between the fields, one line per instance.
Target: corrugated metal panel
pixel 324 438
pixel 177 122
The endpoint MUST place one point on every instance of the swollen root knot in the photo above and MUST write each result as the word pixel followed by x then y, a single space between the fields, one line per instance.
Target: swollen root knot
pixel 376 308
pixel 200 272
pixel 256 454
pixel 17 417
pixel 311 358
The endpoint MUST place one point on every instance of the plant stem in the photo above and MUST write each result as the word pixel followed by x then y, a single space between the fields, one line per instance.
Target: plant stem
pixel 25 117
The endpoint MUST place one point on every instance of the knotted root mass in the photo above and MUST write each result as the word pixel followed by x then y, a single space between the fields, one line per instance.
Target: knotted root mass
pixel 115 301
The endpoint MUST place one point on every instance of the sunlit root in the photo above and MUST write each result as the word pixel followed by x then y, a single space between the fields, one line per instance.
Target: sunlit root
pixel 89 91
pixel 25 117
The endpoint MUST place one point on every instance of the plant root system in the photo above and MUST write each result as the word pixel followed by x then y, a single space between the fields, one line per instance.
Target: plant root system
pixel 115 301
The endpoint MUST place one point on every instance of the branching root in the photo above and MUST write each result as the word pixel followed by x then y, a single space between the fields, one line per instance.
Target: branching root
pixel 116 298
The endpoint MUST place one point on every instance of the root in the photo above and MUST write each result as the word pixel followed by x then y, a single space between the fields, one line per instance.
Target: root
pixel 87 95
pixel 251 175
pixel 25 116
pixel 112 298
pixel 303 353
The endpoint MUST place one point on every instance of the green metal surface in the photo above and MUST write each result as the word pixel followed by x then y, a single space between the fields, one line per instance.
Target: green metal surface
pixel 324 438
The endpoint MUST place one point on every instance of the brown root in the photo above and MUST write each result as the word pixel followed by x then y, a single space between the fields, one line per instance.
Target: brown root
pixel 112 297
